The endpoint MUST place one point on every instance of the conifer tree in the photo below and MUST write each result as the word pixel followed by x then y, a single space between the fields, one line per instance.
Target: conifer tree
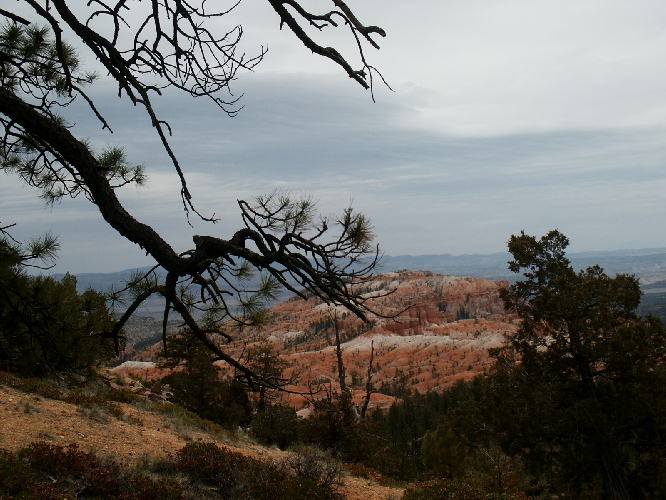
pixel 583 374
pixel 45 324
pixel 198 386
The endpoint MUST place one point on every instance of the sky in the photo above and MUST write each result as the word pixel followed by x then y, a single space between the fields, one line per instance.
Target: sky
pixel 504 116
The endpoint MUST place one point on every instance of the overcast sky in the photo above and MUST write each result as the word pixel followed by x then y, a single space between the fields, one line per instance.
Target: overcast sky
pixel 505 115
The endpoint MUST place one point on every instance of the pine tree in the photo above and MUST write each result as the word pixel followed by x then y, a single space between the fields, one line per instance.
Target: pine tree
pixel 584 364
pixel 45 324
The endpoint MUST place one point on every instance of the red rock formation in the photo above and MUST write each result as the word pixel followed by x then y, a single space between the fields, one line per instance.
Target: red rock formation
pixel 441 331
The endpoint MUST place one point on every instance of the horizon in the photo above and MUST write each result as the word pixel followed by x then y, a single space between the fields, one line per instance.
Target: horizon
pixel 628 252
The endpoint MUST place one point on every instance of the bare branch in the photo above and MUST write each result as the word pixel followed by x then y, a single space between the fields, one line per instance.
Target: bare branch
pixel 14 17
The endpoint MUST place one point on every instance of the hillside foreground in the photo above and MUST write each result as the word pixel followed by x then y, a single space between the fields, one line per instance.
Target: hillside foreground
pixel 133 433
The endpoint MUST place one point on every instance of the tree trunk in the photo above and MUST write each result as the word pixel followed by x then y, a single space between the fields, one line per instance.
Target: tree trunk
pixel 615 483
pixel 345 394
pixel 368 382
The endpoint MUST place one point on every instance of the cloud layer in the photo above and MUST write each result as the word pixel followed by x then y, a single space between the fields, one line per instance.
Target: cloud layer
pixel 506 116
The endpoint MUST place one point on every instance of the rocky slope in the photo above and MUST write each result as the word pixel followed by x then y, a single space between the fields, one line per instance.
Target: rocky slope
pixel 430 331
pixel 441 331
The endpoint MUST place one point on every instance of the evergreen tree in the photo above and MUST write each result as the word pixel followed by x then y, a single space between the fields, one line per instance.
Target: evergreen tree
pixel 444 452
pixel 583 375
pixel 45 325
pixel 263 359
pixel 196 383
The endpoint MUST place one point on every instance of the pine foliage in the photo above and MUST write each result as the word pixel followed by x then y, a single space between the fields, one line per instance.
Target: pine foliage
pixel 45 324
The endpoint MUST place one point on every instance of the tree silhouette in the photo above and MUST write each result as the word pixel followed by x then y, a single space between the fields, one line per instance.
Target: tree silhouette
pixel 45 325
pixel 147 48
pixel 589 376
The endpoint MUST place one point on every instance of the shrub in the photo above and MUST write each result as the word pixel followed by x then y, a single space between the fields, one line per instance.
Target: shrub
pixel 277 425
pixel 236 476
pixel 453 489
pixel 316 465
pixel 59 460
pixel 207 461
pixel 83 399
pixel 185 421
pixel 14 474
pixel 121 395
pixel 70 468
pixel 41 386
pixel 47 471
pixel 144 488
pixel 94 406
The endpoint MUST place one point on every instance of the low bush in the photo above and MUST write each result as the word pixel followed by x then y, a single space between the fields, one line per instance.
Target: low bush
pixel 14 475
pixel 58 460
pixel 235 476
pixel 207 461
pixel 362 470
pixel 120 395
pixel 84 399
pixel 315 465
pixel 166 488
pixel 184 421
pixel 450 489
pixel 40 386
pixel 93 391
pixel 47 471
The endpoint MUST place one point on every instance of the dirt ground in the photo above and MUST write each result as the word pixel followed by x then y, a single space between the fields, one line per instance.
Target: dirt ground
pixel 137 434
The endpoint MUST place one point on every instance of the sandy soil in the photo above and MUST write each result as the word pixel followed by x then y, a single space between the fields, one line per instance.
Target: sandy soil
pixel 25 418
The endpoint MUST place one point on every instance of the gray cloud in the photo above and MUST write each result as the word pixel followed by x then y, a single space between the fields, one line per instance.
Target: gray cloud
pixel 508 115
pixel 427 192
